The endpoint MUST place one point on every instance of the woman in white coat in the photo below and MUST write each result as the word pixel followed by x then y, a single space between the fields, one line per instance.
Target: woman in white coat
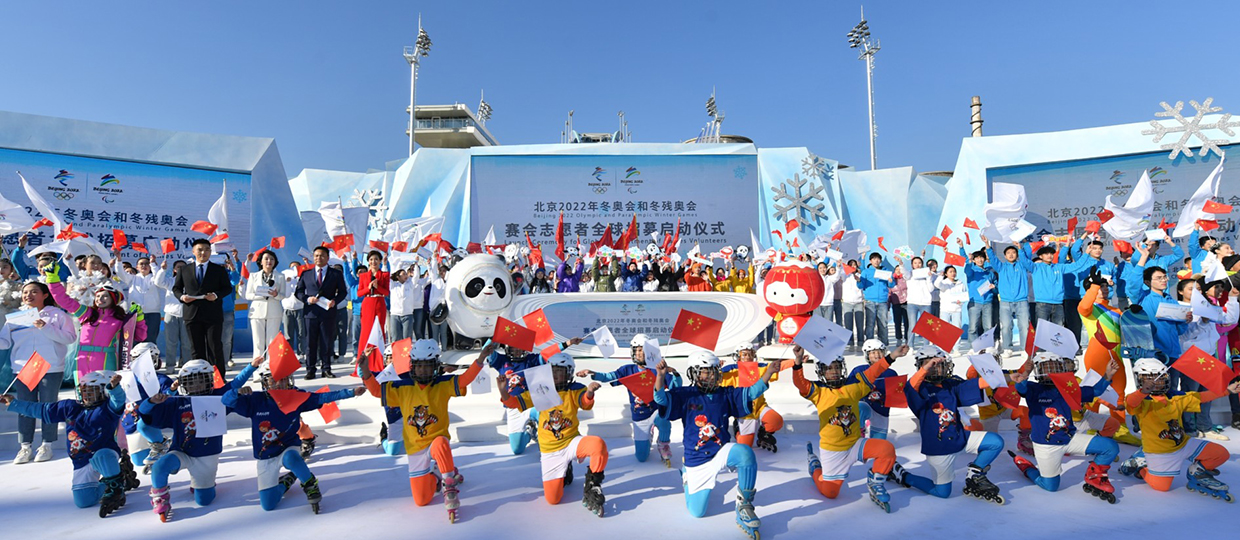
pixel 50 333
pixel 265 289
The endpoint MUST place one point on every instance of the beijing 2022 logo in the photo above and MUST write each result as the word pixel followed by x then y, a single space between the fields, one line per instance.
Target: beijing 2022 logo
pixel 599 183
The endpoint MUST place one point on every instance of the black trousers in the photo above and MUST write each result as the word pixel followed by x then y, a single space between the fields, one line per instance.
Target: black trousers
pixel 208 343
pixel 320 330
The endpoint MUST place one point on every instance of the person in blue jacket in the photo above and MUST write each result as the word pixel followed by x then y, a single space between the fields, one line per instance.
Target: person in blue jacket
pixel 274 435
pixel 45 259
pixel 200 455
pixel 90 433
pixel 980 276
pixel 1198 247
pixel 644 416
pixel 1134 280
pixel 146 443
pixel 633 276
pixel 1166 332
pixel 1013 287
pixel 1048 282
pixel 876 293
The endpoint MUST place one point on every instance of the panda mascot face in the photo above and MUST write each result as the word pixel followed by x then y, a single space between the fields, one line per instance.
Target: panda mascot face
pixel 742 251
pixel 511 253
pixel 479 289
pixel 653 250
pixel 570 252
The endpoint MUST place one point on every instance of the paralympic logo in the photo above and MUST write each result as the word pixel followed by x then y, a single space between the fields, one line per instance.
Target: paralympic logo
pixel 108 199
pixel 63 176
pixel 108 179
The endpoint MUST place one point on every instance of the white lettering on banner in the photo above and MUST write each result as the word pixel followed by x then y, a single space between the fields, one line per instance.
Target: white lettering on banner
pixel 148 202
pixel 704 193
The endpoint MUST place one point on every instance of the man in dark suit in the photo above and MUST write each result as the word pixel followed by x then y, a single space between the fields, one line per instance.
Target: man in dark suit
pixel 320 284
pixel 201 286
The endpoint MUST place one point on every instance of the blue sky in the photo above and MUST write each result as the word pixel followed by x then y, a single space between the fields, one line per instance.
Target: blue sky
pixel 327 80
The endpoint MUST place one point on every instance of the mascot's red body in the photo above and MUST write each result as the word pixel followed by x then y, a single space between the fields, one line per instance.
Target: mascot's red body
pixel 792 290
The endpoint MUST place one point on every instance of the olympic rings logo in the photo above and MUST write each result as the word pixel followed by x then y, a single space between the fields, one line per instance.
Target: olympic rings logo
pixel 600 190
pixel 64 195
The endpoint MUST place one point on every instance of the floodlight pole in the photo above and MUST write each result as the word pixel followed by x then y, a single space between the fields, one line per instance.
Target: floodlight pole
pixel 859 37
pixel 413 55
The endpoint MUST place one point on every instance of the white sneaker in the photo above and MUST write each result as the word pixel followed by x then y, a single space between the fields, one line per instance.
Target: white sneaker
pixel 23 455
pixel 1008 353
pixel 44 453
pixel 1211 434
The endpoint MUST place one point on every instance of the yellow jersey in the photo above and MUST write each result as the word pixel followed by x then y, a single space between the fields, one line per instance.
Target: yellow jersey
pixel 839 425
pixel 1161 430
pixel 558 426
pixel 424 409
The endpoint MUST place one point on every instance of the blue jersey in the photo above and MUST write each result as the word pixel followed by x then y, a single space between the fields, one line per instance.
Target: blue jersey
pixel 271 430
pixel 130 420
pixel 706 416
pixel 87 429
pixel 1049 413
pixel 877 398
pixel 177 413
pixel 638 409
pixel 939 421
pixel 507 367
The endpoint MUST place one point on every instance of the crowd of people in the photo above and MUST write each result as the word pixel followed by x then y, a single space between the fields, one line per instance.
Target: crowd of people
pixel 94 317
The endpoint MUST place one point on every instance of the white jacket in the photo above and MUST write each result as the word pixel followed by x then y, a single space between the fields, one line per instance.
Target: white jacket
pixel 142 290
pixel 164 279
pixel 828 282
pixel 51 342
pixel 954 294
pixel 920 290
pixel 852 293
pixel 263 306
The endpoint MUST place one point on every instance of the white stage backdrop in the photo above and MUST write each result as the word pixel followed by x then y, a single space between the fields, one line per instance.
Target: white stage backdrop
pixel 148 202
pixel 714 196
pixel 1062 190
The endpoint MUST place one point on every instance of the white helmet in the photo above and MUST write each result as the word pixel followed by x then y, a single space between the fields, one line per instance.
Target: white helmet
pixel 196 378
pixel 942 371
pixel 872 345
pixel 928 351
pixel 703 359
pixel 639 340
pixel 93 388
pixel 704 362
pixel 1152 376
pixel 1148 366
pixel 562 361
pixel 145 347
pixel 1046 363
pixel 425 351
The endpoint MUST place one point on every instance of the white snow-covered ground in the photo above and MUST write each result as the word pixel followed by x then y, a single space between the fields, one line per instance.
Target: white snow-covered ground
pixel 366 492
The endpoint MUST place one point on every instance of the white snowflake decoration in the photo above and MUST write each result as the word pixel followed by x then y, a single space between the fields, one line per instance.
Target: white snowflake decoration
pixel 800 195
pixel 373 199
pixel 813 166
pixel 1190 128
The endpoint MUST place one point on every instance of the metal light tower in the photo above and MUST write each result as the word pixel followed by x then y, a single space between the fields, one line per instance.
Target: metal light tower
pixel 859 37
pixel 413 55
pixel 484 109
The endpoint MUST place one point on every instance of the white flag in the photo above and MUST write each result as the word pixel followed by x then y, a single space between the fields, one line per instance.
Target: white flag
pixel 854 244
pixel 604 341
pixel 209 416
pixel 541 385
pixel 1203 309
pixel 144 371
pixel 988 369
pixel 218 214
pixel 41 205
pixel 376 335
pixel 756 250
pixel 985 341
pixel 387 375
pixel 13 217
pixel 1056 339
pixel 489 240
pixel 654 355
pixel 1006 213
pixel 1091 378
pixel 130 385
pixel 314 227
pixel 1132 219
pixel 822 339
pixel 1195 209
pixel 482 382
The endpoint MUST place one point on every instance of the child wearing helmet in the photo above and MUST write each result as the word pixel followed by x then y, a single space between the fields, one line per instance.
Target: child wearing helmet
pixel 559 438
pixel 840 440
pixel 275 419
pixel 424 410
pixel 935 396
pixel 508 365
pixel 199 455
pixel 642 414
pixel 992 413
pixel 704 407
pixel 103 324
pixel 90 433
pixel 1164 444
pixel 761 424
pixel 874 407
pixel 1054 432
pixel 146 443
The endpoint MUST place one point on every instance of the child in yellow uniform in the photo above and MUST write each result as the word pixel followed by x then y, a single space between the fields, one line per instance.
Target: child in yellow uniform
pixel 559 437
pixel 840 442
pixel 761 424
pixel 424 409
pixel 1164 444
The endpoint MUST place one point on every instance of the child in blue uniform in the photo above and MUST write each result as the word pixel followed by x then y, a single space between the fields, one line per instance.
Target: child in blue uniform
pixel 90 433
pixel 1054 432
pixel 201 456
pixel 935 396
pixel 274 436
pixel 522 425
pixel 705 409
pixel 873 408
pixel 642 414
pixel 146 444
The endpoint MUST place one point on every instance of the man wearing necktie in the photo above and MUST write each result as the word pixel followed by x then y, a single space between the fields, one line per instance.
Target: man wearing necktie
pixel 321 288
pixel 201 292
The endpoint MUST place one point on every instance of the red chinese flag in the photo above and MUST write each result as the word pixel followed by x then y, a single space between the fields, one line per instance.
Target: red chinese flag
pixel 277 242
pixel 219 238
pixel 1029 348
pixel 140 248
pixel 1121 246
pixel 537 321
pixel 791 225
pixel 168 245
pixel 34 370
pixel 880 244
pixel 1072 221
pixel 1105 216
pixel 936 241
pixel 1207 224
pixel 380 245
pixel 1162 224
pixel 1093 226
pixel 245 270
pixel 839 235
pixel 641 384
pixel 1213 207
pixel 1199 366
pixel 966 239
pixel 119 240
pixel 1007 397
pixel 400 355
pixel 1069 388
pixel 473 247
pixel 400 246
pixel 893 390
pixel 559 237
pixel 970 224
pixel 68 233
pixel 219 381
pixel 340 244
pixel 937 331
pixel 281 358
pixel 288 400
pixel 44 222
pixel 205 227
pixel 747 373
pixel 330 412
pixel 848 269
pixel 551 350
pixel 947 231
pixel 303 267
pixel 1101 337
pixel 513 335
pixel 605 240
pixel 953 259
pixel 697 329
pixel 675 239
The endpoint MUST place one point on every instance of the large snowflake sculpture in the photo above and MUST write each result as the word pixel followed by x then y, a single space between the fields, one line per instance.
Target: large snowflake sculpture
pixel 800 195
pixel 813 166
pixel 1190 128
pixel 373 199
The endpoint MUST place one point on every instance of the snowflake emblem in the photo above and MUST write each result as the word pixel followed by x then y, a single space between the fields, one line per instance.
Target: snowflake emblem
pixel 815 167
pixel 740 173
pixel 1190 128
pixel 240 196
pixel 800 196
pixel 373 199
